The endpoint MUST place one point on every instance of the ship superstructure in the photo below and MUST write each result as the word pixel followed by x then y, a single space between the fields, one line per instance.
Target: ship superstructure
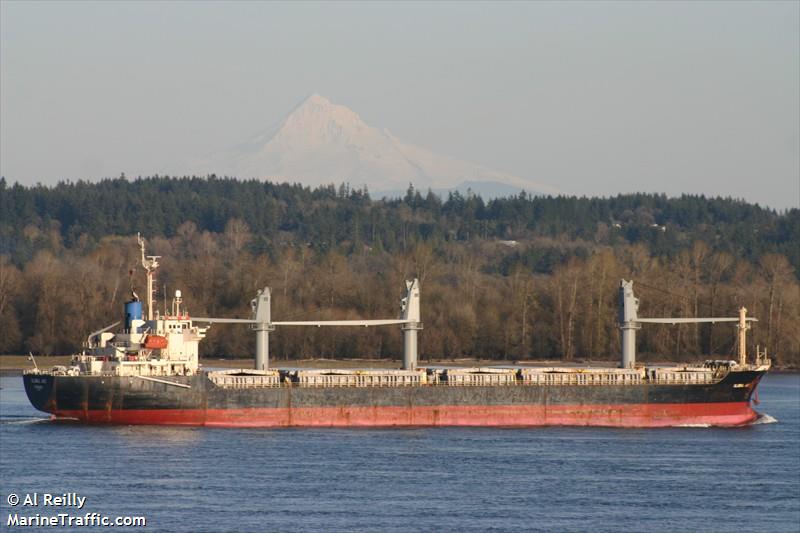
pixel 156 345
pixel 148 372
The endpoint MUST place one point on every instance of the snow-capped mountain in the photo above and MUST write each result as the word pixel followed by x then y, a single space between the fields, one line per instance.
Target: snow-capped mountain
pixel 319 143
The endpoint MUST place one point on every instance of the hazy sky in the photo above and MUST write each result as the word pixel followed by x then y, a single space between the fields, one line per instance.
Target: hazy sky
pixel 594 98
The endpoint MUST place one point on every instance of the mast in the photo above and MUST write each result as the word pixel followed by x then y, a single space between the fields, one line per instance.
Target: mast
pixel 262 325
pixel 261 322
pixel 743 326
pixel 409 307
pixel 150 264
pixel 629 322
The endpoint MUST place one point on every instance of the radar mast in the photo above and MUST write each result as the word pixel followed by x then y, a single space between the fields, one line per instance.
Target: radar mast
pixel 150 264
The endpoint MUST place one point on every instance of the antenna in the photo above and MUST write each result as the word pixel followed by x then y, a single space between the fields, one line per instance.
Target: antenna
pixel 150 264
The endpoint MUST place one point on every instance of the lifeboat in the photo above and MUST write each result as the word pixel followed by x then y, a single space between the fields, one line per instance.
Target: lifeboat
pixel 155 342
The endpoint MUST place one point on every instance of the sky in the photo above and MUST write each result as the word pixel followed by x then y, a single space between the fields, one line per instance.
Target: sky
pixel 595 98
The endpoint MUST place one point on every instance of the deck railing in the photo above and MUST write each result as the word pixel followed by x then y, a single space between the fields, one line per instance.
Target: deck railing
pixel 519 377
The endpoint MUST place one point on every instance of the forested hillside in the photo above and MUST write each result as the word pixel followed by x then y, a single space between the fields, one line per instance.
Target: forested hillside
pixel 515 278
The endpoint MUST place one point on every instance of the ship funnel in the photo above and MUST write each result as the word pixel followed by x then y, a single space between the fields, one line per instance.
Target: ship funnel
pixel 409 311
pixel 133 311
pixel 628 317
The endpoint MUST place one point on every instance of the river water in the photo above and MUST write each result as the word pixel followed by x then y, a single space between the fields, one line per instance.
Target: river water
pixel 445 479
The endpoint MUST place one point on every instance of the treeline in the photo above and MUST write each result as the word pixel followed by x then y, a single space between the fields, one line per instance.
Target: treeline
pixel 516 278
pixel 345 219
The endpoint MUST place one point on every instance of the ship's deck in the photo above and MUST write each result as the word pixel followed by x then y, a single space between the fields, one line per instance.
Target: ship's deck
pixel 450 375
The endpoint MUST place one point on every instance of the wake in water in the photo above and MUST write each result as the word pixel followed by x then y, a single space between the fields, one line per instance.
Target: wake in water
pixel 23 419
pixel 764 418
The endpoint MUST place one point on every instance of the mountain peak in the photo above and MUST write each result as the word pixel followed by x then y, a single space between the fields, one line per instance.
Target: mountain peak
pixel 320 142
pixel 319 121
pixel 316 99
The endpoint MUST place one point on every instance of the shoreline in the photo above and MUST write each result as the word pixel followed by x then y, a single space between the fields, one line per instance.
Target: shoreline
pixel 14 365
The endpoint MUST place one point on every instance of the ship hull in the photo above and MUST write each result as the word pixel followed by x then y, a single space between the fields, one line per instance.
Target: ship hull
pixel 196 401
pixel 671 415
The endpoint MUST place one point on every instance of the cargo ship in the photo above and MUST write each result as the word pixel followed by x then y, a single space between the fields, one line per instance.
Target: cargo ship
pixel 145 369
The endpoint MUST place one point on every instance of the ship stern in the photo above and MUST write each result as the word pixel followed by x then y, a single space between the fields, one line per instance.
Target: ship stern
pixel 40 389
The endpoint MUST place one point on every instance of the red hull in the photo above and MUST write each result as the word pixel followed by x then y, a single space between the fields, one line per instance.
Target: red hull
pixel 622 415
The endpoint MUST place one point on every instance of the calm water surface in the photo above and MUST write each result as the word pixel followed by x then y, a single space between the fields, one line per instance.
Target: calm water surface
pixel 548 479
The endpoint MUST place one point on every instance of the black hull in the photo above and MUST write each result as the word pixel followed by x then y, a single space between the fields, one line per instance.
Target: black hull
pixel 196 400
